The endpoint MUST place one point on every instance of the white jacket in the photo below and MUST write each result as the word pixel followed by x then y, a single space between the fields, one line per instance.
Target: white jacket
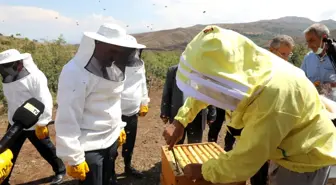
pixel 89 114
pixel 135 90
pixel 34 85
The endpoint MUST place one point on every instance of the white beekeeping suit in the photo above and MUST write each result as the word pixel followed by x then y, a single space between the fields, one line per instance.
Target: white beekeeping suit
pixel 83 109
pixel 23 80
pixel 31 82
pixel 88 121
pixel 135 92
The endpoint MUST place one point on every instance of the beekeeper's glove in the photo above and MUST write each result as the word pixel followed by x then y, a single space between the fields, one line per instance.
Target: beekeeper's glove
pixel 143 110
pixel 78 171
pixel 122 137
pixel 41 132
pixel 5 164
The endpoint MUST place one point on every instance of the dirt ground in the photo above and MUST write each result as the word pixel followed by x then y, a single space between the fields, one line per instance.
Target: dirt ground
pixel 32 169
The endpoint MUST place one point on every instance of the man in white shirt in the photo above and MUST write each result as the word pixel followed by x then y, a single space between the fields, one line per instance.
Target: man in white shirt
pixel 88 121
pixel 134 103
pixel 23 80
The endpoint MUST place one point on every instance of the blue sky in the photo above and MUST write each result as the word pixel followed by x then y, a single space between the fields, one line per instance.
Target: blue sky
pixel 36 19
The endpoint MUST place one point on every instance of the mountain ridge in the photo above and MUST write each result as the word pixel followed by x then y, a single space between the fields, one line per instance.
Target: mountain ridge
pixel 259 31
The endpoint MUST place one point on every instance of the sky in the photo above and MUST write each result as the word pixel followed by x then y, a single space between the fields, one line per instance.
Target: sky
pixel 47 19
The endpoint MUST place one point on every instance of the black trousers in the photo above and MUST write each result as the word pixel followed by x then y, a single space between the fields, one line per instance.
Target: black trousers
pixel 216 126
pixel 131 132
pixel 45 147
pixel 193 131
pixel 261 177
pixel 101 166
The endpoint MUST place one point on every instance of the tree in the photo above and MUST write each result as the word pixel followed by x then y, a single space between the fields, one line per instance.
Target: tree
pixel 299 52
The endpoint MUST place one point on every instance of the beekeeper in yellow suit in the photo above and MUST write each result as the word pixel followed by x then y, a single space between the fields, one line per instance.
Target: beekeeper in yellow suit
pixel 6 164
pixel 276 106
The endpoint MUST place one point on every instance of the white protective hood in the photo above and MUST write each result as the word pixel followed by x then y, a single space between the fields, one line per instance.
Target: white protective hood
pixel 89 114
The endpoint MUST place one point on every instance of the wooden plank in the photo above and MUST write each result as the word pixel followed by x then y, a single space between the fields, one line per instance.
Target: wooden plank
pixel 195 154
pixel 181 161
pixel 189 155
pixel 200 153
pixel 205 152
pixel 185 158
pixel 211 152
pixel 166 170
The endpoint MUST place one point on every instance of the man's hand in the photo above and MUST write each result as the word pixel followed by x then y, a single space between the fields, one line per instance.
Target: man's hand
pixel 210 122
pixel 193 171
pixel 143 111
pixel 5 164
pixel 173 133
pixel 164 119
pixel 78 171
pixel 41 132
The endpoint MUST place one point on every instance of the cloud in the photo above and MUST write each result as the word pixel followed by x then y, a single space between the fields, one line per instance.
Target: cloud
pixel 181 13
pixel 38 23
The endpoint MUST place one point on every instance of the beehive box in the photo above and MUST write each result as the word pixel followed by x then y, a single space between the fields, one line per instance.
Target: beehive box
pixel 172 173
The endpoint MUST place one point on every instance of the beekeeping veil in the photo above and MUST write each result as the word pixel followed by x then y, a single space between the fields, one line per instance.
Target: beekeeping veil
pixel 223 68
pixel 110 34
pixel 14 65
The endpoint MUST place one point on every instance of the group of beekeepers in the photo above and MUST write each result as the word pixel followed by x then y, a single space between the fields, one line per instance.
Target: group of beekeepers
pixel 102 90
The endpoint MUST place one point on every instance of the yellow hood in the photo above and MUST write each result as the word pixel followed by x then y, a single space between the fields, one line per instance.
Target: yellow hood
pixel 223 68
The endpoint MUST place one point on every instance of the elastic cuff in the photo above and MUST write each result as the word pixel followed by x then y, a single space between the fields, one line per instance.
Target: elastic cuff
pixel 75 163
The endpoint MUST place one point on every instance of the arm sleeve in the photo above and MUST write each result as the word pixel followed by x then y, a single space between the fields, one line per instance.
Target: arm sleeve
pixel 212 113
pixel 189 111
pixel 252 150
pixel 144 98
pixel 42 93
pixel 166 94
pixel 71 100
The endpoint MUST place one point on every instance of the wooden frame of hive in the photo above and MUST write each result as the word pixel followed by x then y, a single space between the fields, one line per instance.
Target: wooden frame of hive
pixel 185 154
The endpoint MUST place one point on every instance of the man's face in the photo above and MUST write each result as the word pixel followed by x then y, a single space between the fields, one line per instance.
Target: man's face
pixel 313 41
pixel 283 51
pixel 107 53
pixel 11 68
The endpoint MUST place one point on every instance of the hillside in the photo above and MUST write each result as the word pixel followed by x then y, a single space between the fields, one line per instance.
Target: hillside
pixel 260 32
pixel 333 33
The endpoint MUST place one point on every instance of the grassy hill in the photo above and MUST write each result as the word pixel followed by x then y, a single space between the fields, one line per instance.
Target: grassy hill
pixel 260 32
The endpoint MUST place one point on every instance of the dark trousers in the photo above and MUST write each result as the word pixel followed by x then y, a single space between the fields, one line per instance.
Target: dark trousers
pixel 101 166
pixel 216 126
pixel 45 147
pixel 193 131
pixel 261 177
pixel 131 132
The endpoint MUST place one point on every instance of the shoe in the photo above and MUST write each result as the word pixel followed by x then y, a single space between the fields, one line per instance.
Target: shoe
pixel 57 179
pixel 130 171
